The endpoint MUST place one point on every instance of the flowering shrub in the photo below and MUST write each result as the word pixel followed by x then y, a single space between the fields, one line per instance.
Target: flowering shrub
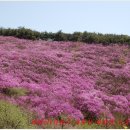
pixel 65 77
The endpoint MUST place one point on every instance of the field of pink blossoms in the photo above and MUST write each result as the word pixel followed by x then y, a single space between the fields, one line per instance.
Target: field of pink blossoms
pixel 77 79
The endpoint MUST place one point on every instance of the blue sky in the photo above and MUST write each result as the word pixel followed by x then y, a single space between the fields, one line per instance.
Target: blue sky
pixel 98 16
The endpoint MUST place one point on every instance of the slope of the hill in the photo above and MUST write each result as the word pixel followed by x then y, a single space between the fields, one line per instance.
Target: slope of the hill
pixel 80 80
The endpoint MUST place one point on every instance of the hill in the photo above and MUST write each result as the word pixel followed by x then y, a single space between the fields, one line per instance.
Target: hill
pixel 84 81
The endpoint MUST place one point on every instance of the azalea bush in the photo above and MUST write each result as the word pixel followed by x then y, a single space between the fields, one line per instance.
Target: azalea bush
pixel 80 80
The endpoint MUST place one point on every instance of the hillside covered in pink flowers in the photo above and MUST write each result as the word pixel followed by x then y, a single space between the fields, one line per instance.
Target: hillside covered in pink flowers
pixel 84 81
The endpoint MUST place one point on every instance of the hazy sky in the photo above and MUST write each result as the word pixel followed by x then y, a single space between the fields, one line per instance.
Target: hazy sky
pixel 104 17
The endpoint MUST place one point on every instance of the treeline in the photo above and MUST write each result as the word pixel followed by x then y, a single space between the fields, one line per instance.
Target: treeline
pixel 86 37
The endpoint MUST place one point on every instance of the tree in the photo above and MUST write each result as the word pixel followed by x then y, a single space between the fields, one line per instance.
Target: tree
pixel 60 36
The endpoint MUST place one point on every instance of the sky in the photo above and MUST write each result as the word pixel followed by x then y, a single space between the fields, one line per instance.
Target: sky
pixel 91 16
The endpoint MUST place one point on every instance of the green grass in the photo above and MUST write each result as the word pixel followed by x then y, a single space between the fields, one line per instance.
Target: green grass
pixel 13 117
pixel 15 91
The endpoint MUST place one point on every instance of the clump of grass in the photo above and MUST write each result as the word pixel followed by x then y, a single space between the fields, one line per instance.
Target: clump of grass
pixel 15 91
pixel 20 46
pixel 89 126
pixel 49 71
pixel 125 51
pixel 76 47
pixel 122 60
pixel 13 117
